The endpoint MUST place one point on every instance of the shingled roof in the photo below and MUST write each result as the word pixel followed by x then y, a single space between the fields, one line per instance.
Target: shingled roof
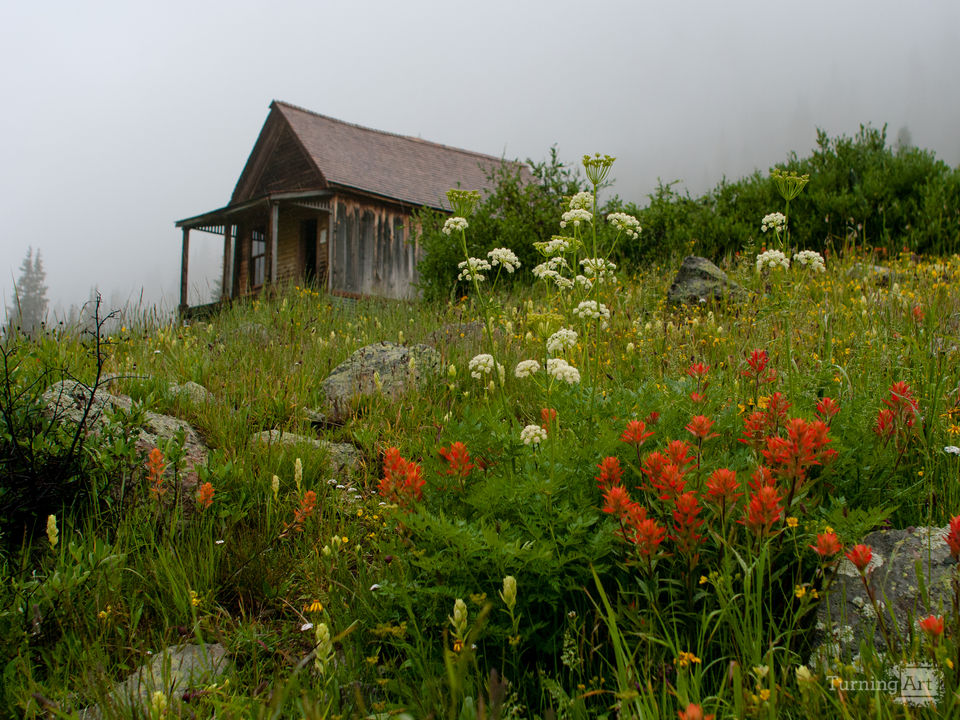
pixel 394 166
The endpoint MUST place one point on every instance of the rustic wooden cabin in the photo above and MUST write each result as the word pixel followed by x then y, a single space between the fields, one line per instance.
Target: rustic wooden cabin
pixel 327 202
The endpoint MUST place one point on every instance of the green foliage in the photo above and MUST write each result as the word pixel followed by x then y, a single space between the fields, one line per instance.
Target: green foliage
pixel 524 207
pixel 862 192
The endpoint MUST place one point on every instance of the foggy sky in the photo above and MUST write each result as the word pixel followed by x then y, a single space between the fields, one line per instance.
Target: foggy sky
pixel 123 117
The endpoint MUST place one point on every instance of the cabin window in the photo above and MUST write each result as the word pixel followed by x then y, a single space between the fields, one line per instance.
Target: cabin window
pixel 258 256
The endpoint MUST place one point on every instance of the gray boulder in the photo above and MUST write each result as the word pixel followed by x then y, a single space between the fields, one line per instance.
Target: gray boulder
pixel 194 392
pixel 172 672
pixel 66 401
pixel 698 280
pixel 385 368
pixel 910 575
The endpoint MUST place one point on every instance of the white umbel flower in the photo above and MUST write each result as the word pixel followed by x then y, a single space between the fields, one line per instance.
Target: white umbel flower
pixel 810 259
pixel 575 217
pixel 454 224
pixel 504 257
pixel 473 269
pixel 625 223
pixel 773 221
pixel 598 269
pixel 772 259
pixel 481 365
pixel 526 368
pixel 593 310
pixel 554 246
pixel 533 435
pixel 560 369
pixel 582 201
pixel 561 340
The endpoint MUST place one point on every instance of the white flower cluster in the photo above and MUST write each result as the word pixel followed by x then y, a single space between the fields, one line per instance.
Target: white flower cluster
pixel 504 257
pixel 599 269
pixel 562 370
pixel 549 270
pixel 473 269
pixel 453 224
pixel 592 310
pixel 575 217
pixel 481 365
pixel 582 201
pixel 811 259
pixel 625 223
pixel 554 246
pixel 772 259
pixel 533 435
pixel 526 368
pixel 561 340
pixel 773 221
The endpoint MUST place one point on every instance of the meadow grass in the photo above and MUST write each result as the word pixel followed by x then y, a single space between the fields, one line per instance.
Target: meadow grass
pixel 605 622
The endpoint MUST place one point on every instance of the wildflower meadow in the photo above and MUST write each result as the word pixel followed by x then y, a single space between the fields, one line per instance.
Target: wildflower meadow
pixel 598 505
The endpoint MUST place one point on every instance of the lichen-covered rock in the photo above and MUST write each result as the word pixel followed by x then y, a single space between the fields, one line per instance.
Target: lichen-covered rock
pixel 194 392
pixel 66 402
pixel 385 368
pixel 344 458
pixel 845 615
pixel 698 281
pixel 172 672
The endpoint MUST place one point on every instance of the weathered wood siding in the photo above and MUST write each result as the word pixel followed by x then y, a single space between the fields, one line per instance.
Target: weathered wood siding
pixel 373 251
pixel 278 163
pixel 291 253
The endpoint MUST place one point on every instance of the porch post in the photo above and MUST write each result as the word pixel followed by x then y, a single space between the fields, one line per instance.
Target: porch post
pixel 226 284
pixel 274 232
pixel 184 261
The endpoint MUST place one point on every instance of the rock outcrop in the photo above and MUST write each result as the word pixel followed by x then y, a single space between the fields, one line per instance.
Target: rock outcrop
pixel 698 281
pixel 910 575
pixel 385 368
pixel 67 401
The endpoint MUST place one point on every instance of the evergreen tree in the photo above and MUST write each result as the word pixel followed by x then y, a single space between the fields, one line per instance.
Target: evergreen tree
pixel 29 300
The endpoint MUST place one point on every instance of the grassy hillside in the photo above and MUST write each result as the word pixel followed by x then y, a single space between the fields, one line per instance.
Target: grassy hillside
pixel 562 563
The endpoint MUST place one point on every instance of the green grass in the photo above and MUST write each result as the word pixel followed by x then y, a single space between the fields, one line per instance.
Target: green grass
pixel 598 631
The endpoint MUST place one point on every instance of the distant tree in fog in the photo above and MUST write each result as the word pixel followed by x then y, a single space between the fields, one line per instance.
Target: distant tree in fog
pixel 28 307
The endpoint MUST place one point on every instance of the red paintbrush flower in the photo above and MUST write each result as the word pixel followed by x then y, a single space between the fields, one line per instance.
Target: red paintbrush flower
pixel 860 556
pixel 722 487
pixel 764 509
pixel 458 460
pixel 636 432
pixel 610 473
pixel 827 545
pixel 699 426
pixel 953 537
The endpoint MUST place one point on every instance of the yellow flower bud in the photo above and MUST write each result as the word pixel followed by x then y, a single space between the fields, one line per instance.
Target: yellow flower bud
pixel 509 594
pixel 53 534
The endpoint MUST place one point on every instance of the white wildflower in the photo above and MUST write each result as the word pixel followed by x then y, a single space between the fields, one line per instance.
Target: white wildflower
pixel 481 365
pixel 625 223
pixel 504 257
pixel 561 340
pixel 473 269
pixel 592 310
pixel 575 217
pixel 526 368
pixel 773 221
pixel 582 201
pixel 554 246
pixel 561 370
pixel 599 269
pixel 772 259
pixel 810 259
pixel 952 450
pixel 453 224
pixel 533 435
